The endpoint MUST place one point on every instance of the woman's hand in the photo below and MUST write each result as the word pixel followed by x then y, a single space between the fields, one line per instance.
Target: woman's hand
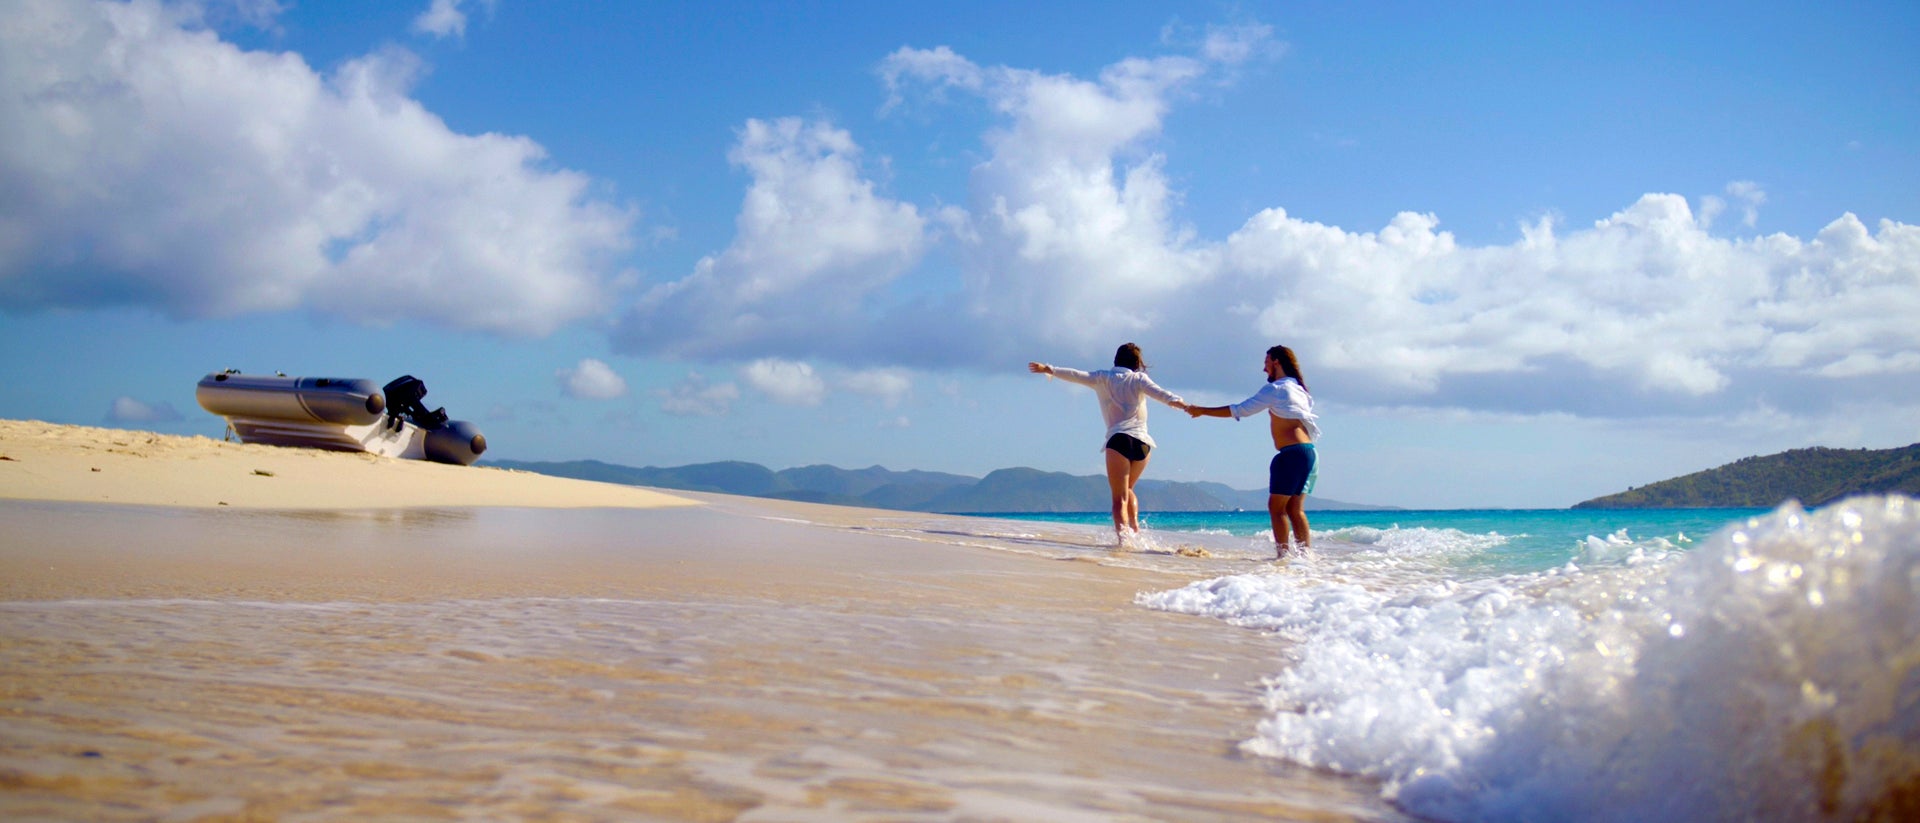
pixel 1039 368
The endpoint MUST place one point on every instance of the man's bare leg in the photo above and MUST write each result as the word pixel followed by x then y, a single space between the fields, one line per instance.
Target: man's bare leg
pixel 1297 515
pixel 1277 509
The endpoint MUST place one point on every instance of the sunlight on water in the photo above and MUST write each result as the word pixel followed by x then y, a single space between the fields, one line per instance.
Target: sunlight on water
pixel 1770 671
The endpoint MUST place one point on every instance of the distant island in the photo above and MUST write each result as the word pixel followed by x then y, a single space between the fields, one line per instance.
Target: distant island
pixel 1006 491
pixel 1812 476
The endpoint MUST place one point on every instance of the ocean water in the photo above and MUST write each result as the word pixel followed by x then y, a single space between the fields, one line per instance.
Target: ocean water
pixel 742 660
pixel 1575 665
pixel 747 661
pixel 1480 540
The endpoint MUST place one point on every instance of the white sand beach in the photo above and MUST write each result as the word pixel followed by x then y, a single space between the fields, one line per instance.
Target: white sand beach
pixel 44 461
pixel 199 630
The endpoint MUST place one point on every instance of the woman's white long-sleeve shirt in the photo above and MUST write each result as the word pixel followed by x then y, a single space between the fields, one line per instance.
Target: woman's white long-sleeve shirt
pixel 1123 397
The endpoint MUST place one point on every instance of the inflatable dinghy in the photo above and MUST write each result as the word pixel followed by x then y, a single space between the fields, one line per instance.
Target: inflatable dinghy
pixel 340 414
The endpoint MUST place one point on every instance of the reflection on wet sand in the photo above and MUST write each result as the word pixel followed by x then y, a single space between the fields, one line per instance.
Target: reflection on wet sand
pixel 687 664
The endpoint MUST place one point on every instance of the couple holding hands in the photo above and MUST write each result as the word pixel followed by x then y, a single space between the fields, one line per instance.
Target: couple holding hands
pixel 1123 392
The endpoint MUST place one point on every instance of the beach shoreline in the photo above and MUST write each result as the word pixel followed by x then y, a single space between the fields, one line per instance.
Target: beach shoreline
pixel 678 657
pixel 84 464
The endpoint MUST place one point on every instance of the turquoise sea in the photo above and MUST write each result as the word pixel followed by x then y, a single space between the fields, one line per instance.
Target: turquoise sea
pixel 1508 540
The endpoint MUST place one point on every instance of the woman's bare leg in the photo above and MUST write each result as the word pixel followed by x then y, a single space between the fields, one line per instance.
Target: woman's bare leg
pixel 1119 472
pixel 1135 468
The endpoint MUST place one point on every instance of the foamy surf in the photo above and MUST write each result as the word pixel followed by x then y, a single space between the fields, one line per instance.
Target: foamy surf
pixel 1768 673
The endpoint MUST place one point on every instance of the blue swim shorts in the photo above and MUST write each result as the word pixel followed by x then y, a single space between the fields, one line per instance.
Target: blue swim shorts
pixel 1293 470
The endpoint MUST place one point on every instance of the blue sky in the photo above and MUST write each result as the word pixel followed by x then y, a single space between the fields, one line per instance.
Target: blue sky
pixel 1528 255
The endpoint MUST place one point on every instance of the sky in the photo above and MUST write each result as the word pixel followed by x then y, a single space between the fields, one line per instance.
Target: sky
pixel 1528 254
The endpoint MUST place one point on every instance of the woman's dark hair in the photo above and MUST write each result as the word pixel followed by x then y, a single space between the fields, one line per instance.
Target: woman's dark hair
pixel 1289 365
pixel 1128 356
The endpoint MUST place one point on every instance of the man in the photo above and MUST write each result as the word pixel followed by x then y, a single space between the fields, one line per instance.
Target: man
pixel 1290 476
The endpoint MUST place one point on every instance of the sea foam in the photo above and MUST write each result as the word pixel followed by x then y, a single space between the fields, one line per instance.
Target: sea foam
pixel 1771 671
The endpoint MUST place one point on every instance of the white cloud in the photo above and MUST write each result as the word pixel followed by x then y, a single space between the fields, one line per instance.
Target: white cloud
pixel 888 384
pixel 785 381
pixel 1068 213
pixel 1236 44
pixel 447 18
pixel 442 18
pixel 695 397
pixel 812 242
pixel 940 64
pixel 1751 197
pixel 1746 193
pixel 128 410
pixel 1647 301
pixel 1053 225
pixel 1069 245
pixel 148 162
pixel 591 380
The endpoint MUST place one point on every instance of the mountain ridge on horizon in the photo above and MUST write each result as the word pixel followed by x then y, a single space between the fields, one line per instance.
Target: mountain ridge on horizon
pixel 1814 476
pixel 1019 490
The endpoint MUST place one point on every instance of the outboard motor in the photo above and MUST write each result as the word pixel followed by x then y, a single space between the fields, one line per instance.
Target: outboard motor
pixel 448 441
pixel 403 402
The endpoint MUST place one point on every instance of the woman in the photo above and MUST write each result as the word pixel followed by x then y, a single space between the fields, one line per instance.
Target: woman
pixel 1123 392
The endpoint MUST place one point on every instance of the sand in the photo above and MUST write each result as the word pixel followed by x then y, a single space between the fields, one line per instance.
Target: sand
pixel 44 461
pixel 473 648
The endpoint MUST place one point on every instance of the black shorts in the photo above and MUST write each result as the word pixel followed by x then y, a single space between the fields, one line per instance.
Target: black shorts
pixel 1129 447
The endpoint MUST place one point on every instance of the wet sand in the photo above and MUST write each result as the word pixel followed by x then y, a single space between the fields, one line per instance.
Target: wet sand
pixel 739 659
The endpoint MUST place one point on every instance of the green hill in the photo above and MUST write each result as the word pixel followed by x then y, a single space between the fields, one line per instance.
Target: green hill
pixel 1812 476
pixel 1003 491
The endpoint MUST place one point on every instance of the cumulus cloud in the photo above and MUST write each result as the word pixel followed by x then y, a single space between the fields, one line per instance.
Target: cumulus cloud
pixel 785 381
pixel 1053 223
pixel 693 396
pixel 128 410
pixel 591 380
pixel 1645 301
pixel 812 242
pixel 1070 244
pixel 147 162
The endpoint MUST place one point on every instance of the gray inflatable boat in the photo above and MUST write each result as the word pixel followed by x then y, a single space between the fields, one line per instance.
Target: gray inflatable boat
pixel 340 414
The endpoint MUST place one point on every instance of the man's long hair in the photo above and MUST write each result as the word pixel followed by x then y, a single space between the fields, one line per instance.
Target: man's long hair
pixel 1289 365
